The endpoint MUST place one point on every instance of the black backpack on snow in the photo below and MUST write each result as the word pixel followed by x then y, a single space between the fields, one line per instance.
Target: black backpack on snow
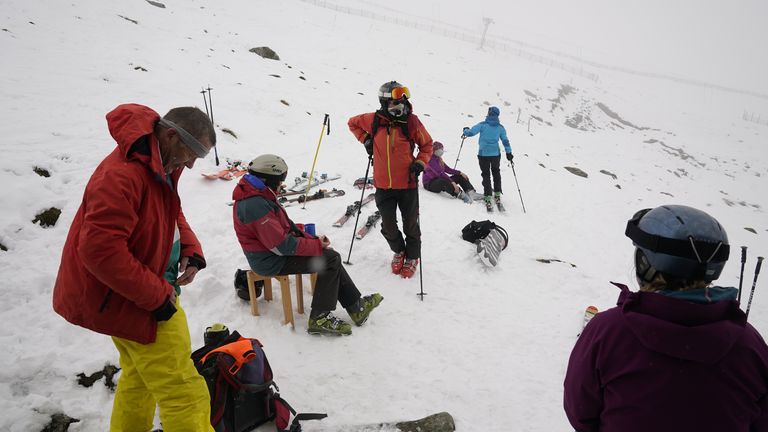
pixel 475 230
pixel 243 394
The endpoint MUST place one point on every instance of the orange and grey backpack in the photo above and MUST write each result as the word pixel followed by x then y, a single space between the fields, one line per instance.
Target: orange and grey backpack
pixel 243 393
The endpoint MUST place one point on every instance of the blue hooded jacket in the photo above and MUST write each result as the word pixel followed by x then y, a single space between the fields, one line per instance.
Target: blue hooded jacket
pixel 491 131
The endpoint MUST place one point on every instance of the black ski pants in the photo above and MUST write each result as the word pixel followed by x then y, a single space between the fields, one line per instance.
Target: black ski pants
pixel 490 165
pixel 387 201
pixel 333 283
pixel 441 184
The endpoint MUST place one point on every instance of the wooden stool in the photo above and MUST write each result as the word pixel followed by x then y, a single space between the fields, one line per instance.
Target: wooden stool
pixel 285 292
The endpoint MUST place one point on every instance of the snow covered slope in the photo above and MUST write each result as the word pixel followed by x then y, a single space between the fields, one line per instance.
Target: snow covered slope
pixel 489 346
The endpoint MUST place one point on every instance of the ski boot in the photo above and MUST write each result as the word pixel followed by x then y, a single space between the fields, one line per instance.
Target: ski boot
pixel 409 268
pixel 327 324
pixel 397 262
pixel 488 204
pixel 464 197
pixel 499 205
pixel 360 312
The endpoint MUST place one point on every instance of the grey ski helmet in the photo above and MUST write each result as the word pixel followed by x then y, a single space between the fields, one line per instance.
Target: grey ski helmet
pixel 393 90
pixel 269 167
pixel 678 241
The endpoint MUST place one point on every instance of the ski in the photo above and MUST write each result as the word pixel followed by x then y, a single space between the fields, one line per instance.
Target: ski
pixel 363 182
pixel 352 209
pixel 322 193
pixel 440 422
pixel 301 182
pixel 234 169
pixel 589 313
pixel 500 206
pixel 490 247
pixel 370 223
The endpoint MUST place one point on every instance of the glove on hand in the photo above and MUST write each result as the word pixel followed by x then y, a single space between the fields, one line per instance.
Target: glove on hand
pixel 368 143
pixel 166 311
pixel 465 130
pixel 510 156
pixel 416 168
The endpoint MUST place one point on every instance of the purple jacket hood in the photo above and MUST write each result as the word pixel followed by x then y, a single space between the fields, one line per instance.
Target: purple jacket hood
pixel 681 329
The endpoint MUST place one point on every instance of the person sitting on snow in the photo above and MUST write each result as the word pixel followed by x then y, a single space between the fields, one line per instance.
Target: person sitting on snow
pixel 273 245
pixel 438 177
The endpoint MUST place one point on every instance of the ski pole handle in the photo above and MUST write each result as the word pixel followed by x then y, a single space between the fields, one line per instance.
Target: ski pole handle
pixel 741 275
pixel 327 121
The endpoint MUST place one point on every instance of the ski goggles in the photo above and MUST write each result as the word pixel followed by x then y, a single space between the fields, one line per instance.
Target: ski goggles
pixel 397 93
pixel 191 142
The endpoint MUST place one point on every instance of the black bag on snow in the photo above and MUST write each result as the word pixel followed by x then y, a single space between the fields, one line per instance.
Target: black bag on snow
pixel 475 230
pixel 243 394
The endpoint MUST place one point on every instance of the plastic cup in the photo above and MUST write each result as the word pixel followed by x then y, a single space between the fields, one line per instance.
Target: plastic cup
pixel 310 229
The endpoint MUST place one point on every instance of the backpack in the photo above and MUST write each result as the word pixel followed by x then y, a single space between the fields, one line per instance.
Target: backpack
pixel 475 230
pixel 243 394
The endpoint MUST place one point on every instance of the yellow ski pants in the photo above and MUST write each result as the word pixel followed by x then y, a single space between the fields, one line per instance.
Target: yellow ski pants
pixel 162 374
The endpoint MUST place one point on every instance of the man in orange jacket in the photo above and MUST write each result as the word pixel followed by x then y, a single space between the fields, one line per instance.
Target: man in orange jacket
pixel 390 136
pixel 119 272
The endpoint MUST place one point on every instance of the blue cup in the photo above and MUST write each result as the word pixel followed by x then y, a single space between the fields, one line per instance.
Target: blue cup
pixel 310 229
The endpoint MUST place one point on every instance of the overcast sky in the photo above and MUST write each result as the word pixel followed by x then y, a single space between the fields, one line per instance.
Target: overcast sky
pixel 717 41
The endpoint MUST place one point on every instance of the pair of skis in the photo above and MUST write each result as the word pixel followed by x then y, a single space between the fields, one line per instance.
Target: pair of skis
pixel 322 193
pixel 356 207
pixel 234 170
pixel 589 313
pixel 490 247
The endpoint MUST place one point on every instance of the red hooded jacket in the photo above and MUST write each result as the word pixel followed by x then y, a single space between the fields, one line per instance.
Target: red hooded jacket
pixel 111 273
pixel 392 150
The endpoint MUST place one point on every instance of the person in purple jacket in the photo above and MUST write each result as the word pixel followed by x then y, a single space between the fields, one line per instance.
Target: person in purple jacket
pixel 439 177
pixel 678 355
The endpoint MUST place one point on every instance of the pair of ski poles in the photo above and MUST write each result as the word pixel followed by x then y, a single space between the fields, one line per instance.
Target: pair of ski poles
pixel 511 164
pixel 754 280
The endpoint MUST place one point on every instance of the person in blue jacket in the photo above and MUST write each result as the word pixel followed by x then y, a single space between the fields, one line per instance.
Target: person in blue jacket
pixel 488 155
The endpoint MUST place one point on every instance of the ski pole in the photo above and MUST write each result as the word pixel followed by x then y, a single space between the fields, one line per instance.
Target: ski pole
pixel 208 113
pixel 741 276
pixel 326 121
pixel 421 293
pixel 518 186
pixel 210 102
pixel 754 282
pixel 359 210
pixel 459 154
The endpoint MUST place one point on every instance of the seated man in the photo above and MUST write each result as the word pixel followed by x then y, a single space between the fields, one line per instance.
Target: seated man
pixel 274 245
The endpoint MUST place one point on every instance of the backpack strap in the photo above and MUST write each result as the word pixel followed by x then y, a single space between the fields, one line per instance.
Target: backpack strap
pixel 282 407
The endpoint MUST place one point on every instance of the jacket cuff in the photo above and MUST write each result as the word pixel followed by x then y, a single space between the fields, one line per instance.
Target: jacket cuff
pixel 196 261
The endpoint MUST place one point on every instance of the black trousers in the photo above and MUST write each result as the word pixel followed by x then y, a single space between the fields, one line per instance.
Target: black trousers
pixel 490 165
pixel 442 185
pixel 387 201
pixel 333 282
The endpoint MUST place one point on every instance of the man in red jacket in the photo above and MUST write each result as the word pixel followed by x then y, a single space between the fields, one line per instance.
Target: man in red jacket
pixel 119 267
pixel 390 135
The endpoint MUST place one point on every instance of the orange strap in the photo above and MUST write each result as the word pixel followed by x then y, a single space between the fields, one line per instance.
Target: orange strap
pixel 241 351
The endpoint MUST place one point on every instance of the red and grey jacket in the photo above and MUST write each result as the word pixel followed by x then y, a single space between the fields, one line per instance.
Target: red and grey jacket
pixel 392 150
pixel 117 250
pixel 266 234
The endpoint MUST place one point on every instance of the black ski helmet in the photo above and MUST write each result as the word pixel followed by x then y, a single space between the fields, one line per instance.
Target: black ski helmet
pixel 271 168
pixel 678 241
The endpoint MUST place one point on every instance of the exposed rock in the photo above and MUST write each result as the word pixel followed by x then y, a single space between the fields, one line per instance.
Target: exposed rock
pixel 616 117
pixel 440 422
pixel 59 423
pixel 140 68
pixel 3 248
pixel 156 4
pixel 229 131
pixel 284 102
pixel 274 75
pixel 128 19
pixel 42 172
pixel 551 260
pixel 108 372
pixel 608 173
pixel 48 217
pixel 265 52
pixel 752 230
pixel 577 171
